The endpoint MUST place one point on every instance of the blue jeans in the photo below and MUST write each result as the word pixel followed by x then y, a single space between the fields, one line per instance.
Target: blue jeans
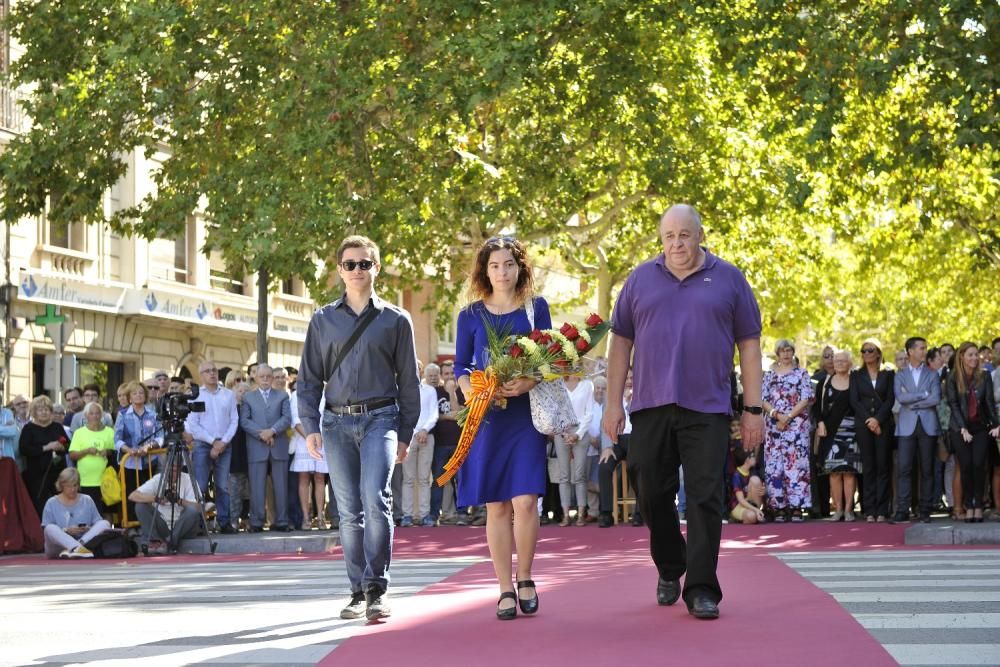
pixel 361 451
pixel 203 466
pixel 441 456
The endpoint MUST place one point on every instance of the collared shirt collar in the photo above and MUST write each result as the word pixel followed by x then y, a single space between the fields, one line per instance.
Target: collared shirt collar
pixel 375 301
pixel 710 262
pixel 218 388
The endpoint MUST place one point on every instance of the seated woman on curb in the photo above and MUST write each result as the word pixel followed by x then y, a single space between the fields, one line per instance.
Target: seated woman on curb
pixel 746 501
pixel 70 519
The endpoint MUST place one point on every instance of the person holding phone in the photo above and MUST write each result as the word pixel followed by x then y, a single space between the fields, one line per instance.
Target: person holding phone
pixel 70 519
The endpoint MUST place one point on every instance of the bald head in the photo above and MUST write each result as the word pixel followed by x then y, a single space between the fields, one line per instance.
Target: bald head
pixel 682 212
pixel 681 235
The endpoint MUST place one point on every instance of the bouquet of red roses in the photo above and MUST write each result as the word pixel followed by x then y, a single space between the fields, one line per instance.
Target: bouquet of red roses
pixel 542 354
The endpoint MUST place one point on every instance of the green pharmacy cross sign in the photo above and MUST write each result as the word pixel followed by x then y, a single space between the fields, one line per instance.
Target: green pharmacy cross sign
pixel 50 316
pixel 58 327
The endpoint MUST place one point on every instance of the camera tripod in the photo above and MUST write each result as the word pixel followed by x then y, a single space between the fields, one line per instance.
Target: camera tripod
pixel 168 489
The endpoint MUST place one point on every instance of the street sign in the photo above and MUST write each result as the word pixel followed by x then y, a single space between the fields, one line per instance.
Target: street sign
pixel 58 328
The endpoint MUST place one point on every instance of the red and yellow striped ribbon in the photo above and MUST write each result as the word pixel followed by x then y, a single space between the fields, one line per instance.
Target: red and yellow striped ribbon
pixel 484 388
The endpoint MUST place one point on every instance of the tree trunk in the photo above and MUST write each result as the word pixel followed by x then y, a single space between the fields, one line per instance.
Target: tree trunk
pixel 263 278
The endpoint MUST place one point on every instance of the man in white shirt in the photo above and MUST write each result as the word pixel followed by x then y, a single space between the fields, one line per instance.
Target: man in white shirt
pixel 417 464
pixel 212 431
pixel 594 449
pixel 177 513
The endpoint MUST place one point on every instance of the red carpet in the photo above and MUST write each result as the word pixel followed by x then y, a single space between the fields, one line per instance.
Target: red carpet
pixel 598 605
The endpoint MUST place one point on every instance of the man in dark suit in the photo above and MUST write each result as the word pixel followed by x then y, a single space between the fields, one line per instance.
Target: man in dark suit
pixel 918 390
pixel 265 416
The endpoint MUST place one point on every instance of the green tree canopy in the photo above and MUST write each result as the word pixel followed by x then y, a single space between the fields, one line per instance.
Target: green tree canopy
pixel 843 154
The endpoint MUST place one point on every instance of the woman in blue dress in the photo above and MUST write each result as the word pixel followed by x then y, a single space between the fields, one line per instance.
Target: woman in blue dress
pixel 505 468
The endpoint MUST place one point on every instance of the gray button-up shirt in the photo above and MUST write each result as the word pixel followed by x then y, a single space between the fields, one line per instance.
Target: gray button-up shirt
pixel 382 364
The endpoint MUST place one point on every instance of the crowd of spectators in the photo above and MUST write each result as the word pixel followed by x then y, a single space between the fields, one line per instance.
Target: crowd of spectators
pixel 853 439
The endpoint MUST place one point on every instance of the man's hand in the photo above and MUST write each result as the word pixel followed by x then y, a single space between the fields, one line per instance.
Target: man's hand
pixel 401 451
pixel 614 421
pixel 420 437
pixel 751 430
pixel 314 443
pixel 188 438
pixel 821 430
pixel 571 439
pixel 872 425
pixel 607 453
pixel 267 435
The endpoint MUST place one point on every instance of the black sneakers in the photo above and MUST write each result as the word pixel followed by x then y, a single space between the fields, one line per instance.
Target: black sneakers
pixel 355 608
pixel 378 604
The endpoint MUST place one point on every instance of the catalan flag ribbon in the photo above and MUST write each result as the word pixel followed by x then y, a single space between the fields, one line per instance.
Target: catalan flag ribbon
pixel 484 388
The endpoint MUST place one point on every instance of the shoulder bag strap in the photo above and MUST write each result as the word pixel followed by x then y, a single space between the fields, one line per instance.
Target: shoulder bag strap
pixel 359 329
pixel 529 309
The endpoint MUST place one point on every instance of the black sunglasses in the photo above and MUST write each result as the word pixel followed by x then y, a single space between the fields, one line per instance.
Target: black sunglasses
pixel 500 239
pixel 868 350
pixel 350 264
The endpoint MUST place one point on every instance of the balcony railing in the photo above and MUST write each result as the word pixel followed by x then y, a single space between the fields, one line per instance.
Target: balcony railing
pixel 12 117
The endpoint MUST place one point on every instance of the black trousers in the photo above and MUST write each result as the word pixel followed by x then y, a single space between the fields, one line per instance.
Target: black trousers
pixel 876 462
pixel 606 472
pixel 664 438
pixel 918 445
pixel 972 458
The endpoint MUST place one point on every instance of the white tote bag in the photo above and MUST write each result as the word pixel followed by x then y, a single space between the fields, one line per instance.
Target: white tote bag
pixel 551 409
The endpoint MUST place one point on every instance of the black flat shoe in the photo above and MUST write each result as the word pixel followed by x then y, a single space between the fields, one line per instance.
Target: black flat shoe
pixel 703 607
pixel 668 591
pixel 510 613
pixel 529 606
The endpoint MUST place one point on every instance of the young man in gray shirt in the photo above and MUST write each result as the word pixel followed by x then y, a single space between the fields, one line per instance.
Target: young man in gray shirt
pixel 372 406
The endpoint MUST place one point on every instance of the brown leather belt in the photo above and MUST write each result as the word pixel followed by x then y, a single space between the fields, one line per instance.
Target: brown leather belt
pixel 361 408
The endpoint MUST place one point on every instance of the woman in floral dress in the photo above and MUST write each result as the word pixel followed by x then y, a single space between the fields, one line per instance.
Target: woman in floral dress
pixel 788 393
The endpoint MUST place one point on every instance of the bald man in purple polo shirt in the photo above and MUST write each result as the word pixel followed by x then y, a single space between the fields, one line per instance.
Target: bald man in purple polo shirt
pixel 682 314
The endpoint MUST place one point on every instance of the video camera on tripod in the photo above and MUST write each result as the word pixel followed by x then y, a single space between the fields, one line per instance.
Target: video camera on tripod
pixel 176 408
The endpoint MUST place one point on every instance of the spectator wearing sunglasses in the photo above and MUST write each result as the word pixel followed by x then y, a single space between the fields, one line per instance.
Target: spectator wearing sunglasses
pixel 872 398
pixel 372 406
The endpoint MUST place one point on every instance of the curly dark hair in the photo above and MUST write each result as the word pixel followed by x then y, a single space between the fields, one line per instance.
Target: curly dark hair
pixel 479 280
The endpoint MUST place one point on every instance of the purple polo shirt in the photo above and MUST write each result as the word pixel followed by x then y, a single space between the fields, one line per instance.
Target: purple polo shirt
pixel 684 332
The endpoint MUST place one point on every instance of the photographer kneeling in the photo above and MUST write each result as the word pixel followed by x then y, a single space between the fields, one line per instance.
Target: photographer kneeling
pixel 178 513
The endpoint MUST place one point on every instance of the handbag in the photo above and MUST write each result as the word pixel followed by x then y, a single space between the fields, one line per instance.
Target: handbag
pixel 551 408
pixel 111 488
pixel 112 544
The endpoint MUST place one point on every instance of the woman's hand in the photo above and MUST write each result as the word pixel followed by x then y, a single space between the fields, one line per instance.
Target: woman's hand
pixel 995 432
pixel 56 446
pixel 821 430
pixel 516 387
pixel 873 425
pixel 966 436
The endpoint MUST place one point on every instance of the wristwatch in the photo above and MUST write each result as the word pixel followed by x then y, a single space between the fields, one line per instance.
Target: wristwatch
pixel 753 409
